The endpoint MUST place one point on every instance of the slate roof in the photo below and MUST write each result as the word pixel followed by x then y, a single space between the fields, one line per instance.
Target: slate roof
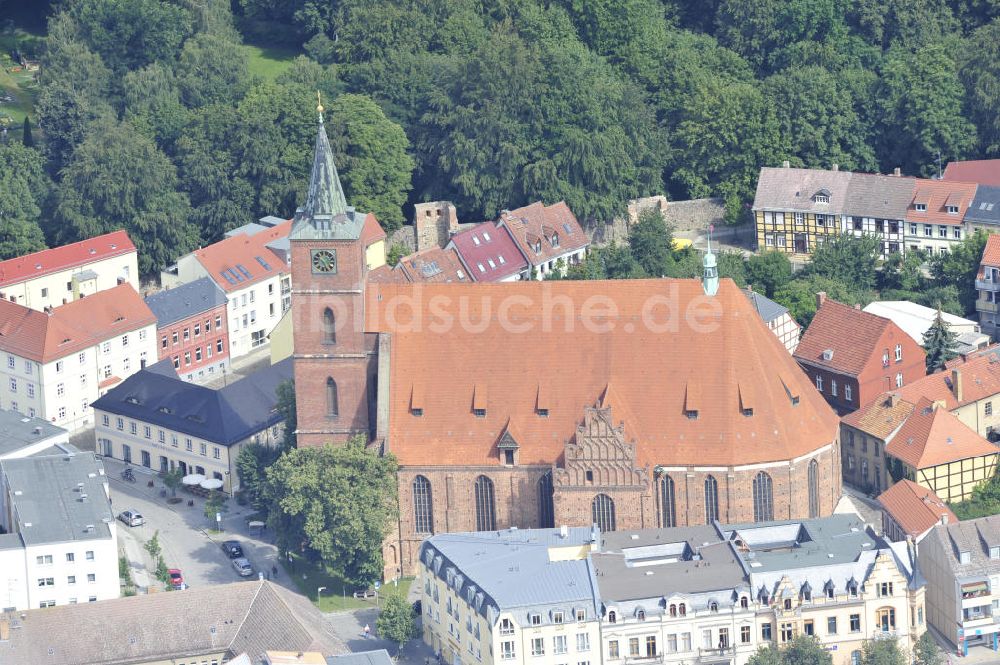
pixel 795 189
pixel 914 508
pixel 225 416
pixel 49 500
pixel 975 536
pixel 184 301
pixel 74 326
pixel 242 617
pixel 979 171
pixel 18 431
pixel 879 196
pixel 488 252
pixel 767 308
pixel 852 335
pixel 932 436
pixel 537 223
pixel 985 208
pixel 48 261
pixel 237 262
pixel 936 194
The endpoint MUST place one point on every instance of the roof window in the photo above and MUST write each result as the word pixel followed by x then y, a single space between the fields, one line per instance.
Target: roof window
pixel 501 259
pixel 486 236
pixel 475 240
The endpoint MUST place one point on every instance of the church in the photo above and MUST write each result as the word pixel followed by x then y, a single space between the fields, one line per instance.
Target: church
pixel 629 404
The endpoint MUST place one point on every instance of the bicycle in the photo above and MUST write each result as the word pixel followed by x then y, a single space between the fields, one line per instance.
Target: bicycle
pixel 127 475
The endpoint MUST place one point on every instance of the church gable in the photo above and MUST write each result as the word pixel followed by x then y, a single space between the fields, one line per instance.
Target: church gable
pixel 600 454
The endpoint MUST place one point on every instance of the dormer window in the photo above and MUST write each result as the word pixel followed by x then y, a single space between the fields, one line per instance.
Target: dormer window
pixel 543 413
pixel 612 617
pixel 822 196
pixel 555 239
pixel 479 413
pixel 748 412
pixel 417 412
pixel 713 606
pixel 965 557
pixel 691 414
pixel 788 603
pixel 951 209
pixel 920 207
pixel 640 615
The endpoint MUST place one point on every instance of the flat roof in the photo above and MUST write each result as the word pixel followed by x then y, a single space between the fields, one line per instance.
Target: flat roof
pixel 19 431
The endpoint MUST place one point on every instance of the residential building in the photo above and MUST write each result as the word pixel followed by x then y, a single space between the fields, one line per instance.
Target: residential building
pixel 961 562
pixel 864 434
pixel 23 436
pixel 979 171
pixel 984 213
pixel 876 205
pixel 54 364
pixel 777 317
pixel 192 328
pixel 489 253
pixel 433 264
pixel 56 276
pixel 510 597
pixel 59 542
pixel 550 237
pixel 853 356
pixel 935 216
pixel 916 319
pixel 373 239
pixel 158 421
pixel 910 511
pixel 210 625
pixel 282 339
pixel 988 287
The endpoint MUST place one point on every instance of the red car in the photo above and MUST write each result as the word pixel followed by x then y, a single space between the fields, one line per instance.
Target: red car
pixel 176 579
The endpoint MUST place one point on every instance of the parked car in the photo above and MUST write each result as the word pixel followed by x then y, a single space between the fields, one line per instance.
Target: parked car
pixel 365 593
pixel 233 549
pixel 243 567
pixel 176 578
pixel 131 518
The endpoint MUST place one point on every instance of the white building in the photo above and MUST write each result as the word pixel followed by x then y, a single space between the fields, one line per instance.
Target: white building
pixel 777 318
pixel 60 545
pixel 54 364
pixel 22 436
pixel 550 237
pixel 60 275
pixel 915 319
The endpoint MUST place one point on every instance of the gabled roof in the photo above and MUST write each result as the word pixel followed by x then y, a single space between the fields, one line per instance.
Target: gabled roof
pixel 851 334
pixel 991 254
pixel 237 262
pixel 879 196
pixel 980 376
pixel 973 536
pixel 985 208
pixel 185 301
pixel 936 194
pixel 767 308
pixel 372 231
pixel 933 435
pixel 432 265
pixel 914 508
pixel 74 326
pixel 880 417
pixel 488 252
pixel 979 171
pixel 535 225
pixel 795 190
pixel 48 261
pixel 225 416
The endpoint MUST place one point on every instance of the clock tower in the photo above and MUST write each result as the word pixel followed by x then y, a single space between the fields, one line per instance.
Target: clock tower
pixel 334 370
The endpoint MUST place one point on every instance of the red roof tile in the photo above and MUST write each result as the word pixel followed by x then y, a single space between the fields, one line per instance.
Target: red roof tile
pixel 979 171
pixel 851 334
pixel 225 258
pixel 932 436
pixel 432 265
pixel 72 327
pixel 372 231
pixel 991 254
pixel 516 351
pixel 980 377
pixel 935 194
pixel 914 508
pixel 13 271
pixel 535 225
pixel 488 252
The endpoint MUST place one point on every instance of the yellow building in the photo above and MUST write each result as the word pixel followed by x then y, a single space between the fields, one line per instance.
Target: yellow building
pixel 281 339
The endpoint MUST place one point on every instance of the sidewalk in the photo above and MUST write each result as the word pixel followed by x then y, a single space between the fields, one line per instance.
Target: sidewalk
pixel 136 555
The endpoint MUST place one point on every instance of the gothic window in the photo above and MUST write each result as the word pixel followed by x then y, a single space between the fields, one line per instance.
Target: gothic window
pixel 711 499
pixel 813 489
pixel 329 327
pixel 332 403
pixel 603 512
pixel 423 509
pixel 486 514
pixel 546 518
pixel 763 502
pixel 668 507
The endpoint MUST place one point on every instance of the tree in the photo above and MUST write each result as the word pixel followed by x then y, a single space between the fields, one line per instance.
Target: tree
pixel 336 504
pixel 650 240
pixel 215 504
pixel 26 138
pixel 769 655
pixel 926 652
pixel 396 621
pixel 803 650
pixel 904 273
pixel 939 344
pixel 252 464
pixel 882 651
pixel 130 34
pixel 396 252
pixel 849 260
pixel 153 545
pixel 768 270
pixel 980 72
pixel 286 408
pixel 172 479
pixel 959 267
pixel 23 188
pixel 211 70
pixel 799 296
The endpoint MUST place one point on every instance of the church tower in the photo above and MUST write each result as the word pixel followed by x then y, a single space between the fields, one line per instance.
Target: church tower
pixel 333 367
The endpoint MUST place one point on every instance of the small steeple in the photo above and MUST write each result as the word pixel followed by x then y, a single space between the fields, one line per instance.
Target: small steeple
pixel 710 280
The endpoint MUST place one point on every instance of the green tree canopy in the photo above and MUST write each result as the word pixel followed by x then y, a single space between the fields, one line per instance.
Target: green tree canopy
pixel 980 72
pixel 939 344
pixel 396 622
pixel 799 295
pixel 882 651
pixel 803 650
pixel 24 188
pixel 650 242
pixel 768 270
pixel 958 268
pixel 926 651
pixel 848 259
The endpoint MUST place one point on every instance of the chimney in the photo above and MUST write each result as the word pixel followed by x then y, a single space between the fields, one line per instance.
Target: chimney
pixel 893 399
pixel 896 172
pixel 786 164
pixel 820 299
pixel 836 167
pixel 857 306
pixel 956 384
pixel 563 531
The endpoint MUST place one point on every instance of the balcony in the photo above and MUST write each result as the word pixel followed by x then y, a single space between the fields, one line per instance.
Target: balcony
pixel 977 621
pixel 986 306
pixel 717 655
pixel 986 285
pixel 658 658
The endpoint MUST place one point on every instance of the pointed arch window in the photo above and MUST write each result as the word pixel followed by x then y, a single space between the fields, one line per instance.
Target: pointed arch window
pixel 603 511
pixel 813 489
pixel 423 506
pixel 329 327
pixel 763 501
pixel 711 499
pixel 486 514
pixel 668 506
pixel 332 400
pixel 546 509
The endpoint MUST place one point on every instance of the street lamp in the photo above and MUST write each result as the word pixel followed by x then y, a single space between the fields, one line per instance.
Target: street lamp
pixel 318 591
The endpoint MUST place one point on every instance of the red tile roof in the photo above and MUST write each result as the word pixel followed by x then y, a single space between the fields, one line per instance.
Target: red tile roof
pixel 991 254
pixel 851 334
pixel 488 252
pixel 72 327
pixel 980 377
pixel 880 417
pixel 536 225
pixel 372 231
pixel 515 350
pixel 933 435
pixel 433 265
pixel 979 171
pixel 47 261
pixel 935 194
pixel 225 258
pixel 914 508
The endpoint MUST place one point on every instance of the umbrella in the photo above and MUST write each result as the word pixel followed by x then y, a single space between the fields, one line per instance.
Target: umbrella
pixel 211 484
pixel 193 479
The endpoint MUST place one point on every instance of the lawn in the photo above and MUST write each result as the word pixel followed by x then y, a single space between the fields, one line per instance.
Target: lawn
pixel 19 86
pixel 268 62
pixel 337 596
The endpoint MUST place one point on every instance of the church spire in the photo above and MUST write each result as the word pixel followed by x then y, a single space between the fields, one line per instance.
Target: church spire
pixel 325 198
pixel 710 280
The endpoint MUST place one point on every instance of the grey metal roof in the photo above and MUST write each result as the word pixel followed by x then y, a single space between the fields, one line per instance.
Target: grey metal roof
pixel 186 300
pixel 58 498
pixel 18 431
pixel 793 544
pixel 250 229
pixel 972 536
pixel 879 196
pixel 325 214
pixel 794 189
pixel 11 541
pixel 767 308
pixel 377 657
pixel 225 416
pixel 985 208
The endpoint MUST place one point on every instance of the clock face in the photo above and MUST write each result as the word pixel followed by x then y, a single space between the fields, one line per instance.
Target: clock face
pixel 324 260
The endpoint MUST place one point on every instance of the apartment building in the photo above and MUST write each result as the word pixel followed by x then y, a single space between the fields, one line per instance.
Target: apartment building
pixel 59 544
pixel 936 213
pixel 55 364
pixel 988 287
pixel 21 436
pixel 550 237
pixel 984 213
pixel 489 253
pixel 192 328
pixel 54 277
pixel 961 562
pixel 156 420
